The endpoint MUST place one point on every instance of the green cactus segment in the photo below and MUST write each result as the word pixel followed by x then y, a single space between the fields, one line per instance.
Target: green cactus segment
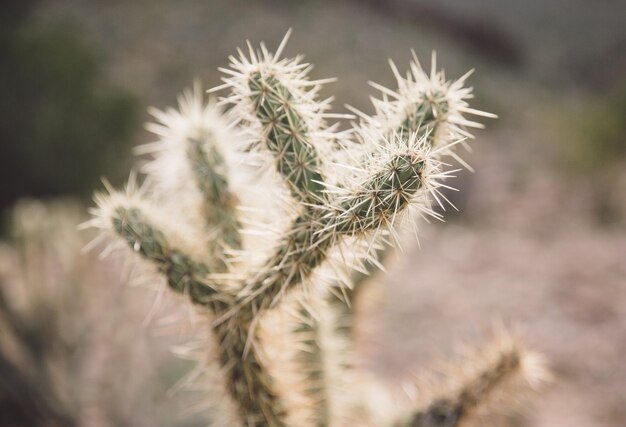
pixel 247 380
pixel 451 411
pixel 209 169
pixel 382 195
pixel 425 116
pixel 183 275
pixel 286 135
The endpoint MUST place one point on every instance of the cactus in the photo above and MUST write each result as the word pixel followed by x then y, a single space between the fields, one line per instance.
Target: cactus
pixel 279 292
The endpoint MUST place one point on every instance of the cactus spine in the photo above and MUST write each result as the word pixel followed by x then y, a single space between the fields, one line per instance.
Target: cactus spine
pixel 197 240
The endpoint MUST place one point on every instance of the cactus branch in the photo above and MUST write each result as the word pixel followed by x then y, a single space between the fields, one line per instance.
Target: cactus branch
pixel 286 136
pixel 184 275
pixel 206 162
pixel 425 104
pixel 190 161
pixel 501 374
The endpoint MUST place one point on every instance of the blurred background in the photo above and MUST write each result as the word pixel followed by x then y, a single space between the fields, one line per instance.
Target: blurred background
pixel 539 242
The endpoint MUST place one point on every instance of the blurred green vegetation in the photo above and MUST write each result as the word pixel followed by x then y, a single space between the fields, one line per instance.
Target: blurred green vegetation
pixel 62 126
pixel 601 133
pixel 591 146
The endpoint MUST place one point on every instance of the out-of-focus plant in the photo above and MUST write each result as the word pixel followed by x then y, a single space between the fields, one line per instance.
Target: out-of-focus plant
pixel 260 215
pixel 600 138
pixel 74 349
pixel 61 125
pixel 595 148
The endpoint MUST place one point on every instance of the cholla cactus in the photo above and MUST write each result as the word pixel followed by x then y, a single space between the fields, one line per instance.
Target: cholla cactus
pixel 259 215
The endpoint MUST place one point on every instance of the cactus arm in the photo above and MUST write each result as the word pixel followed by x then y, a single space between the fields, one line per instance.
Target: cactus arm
pixel 246 379
pixel 208 166
pixel 190 164
pixel 286 136
pixel 183 274
pixel 382 196
pixel 423 104
pixel 494 380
